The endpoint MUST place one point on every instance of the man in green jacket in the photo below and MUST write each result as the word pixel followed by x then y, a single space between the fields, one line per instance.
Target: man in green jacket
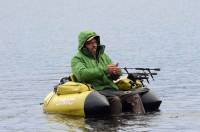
pixel 92 65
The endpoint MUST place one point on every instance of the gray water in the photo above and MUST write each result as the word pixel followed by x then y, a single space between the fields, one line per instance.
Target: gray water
pixel 38 39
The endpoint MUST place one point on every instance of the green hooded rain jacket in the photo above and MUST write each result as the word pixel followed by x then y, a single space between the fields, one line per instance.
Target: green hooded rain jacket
pixel 90 69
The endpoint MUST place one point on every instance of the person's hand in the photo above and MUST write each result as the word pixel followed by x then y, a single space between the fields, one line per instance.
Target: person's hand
pixel 113 69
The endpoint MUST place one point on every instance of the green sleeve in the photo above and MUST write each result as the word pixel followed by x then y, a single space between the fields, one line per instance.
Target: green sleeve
pixel 84 74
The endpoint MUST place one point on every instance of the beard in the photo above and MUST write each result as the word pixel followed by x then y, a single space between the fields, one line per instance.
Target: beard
pixel 94 51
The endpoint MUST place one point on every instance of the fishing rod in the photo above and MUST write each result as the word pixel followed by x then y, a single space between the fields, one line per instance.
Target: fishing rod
pixel 143 75
pixel 147 69
pixel 141 69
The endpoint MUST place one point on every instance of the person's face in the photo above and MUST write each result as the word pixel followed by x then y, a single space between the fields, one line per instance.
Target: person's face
pixel 92 46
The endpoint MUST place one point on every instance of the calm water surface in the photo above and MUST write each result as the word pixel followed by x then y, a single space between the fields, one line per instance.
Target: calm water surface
pixel 38 39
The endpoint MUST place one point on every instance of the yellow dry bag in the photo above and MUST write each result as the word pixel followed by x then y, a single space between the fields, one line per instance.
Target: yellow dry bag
pixel 71 88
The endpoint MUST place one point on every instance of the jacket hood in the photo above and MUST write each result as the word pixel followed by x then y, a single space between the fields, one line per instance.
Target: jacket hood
pixel 84 36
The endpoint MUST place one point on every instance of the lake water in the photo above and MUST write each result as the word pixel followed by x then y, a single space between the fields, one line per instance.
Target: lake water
pixel 38 39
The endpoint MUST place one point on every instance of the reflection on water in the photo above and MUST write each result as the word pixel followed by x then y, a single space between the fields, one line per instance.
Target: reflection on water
pixel 148 122
pixel 125 122
pixel 71 123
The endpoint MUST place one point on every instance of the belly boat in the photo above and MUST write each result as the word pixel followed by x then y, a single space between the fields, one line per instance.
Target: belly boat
pixel 78 99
